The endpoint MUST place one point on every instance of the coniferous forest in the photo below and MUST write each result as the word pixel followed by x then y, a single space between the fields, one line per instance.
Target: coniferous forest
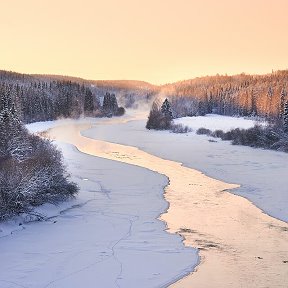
pixel 239 95
pixel 263 97
pixel 44 97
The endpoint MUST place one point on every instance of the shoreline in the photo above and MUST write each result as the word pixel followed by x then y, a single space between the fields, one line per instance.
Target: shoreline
pixel 102 239
pixel 261 173
pixel 193 268
pixel 216 251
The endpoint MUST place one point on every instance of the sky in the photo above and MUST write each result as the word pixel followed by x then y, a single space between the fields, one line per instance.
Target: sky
pixel 158 41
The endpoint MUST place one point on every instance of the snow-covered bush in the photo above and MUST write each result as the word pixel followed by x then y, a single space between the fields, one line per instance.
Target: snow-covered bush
pixel 31 168
pixel 120 111
pixel 269 137
pixel 180 128
pixel 203 131
pixel 218 133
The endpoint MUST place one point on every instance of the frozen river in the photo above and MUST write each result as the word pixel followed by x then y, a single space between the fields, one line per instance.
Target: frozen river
pixel 112 236
pixel 239 245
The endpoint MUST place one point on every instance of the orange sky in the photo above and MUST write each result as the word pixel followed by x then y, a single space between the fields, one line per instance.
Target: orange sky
pixel 154 40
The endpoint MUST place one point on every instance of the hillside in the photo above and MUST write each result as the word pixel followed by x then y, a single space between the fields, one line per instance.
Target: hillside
pixel 245 95
pixel 48 97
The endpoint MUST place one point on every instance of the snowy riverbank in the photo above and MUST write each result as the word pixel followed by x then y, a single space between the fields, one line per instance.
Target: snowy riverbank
pixel 261 173
pixel 108 237
pixel 112 224
pixel 239 246
pixel 215 122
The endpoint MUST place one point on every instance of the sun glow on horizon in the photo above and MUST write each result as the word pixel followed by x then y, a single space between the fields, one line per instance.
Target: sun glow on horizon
pixel 154 41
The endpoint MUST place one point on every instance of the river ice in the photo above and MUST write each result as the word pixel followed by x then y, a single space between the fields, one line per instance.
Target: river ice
pixel 108 237
pixel 262 174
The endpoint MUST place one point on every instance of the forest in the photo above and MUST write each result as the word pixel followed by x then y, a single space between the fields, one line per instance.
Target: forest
pixel 240 95
pixel 43 98
pixel 48 97
pixel 260 96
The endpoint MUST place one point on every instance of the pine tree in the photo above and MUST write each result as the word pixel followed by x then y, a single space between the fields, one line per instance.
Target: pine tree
pixel 285 117
pixel 114 104
pixel 160 117
pixel 269 101
pixel 282 103
pixel 155 117
pixel 110 105
pixel 166 110
pixel 12 132
pixel 88 102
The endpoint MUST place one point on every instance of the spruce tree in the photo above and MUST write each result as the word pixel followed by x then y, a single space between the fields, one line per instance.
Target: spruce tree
pixel 282 103
pixel 160 117
pixel 166 110
pixel 12 132
pixel 285 117
pixel 110 105
pixel 155 117
pixel 88 102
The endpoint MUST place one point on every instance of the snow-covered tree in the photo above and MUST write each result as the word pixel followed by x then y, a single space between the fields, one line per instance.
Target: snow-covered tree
pixel 160 117
pixel 12 133
pixel 166 110
pixel 88 102
pixel 285 117
pixel 110 105
pixel 283 95
pixel 31 168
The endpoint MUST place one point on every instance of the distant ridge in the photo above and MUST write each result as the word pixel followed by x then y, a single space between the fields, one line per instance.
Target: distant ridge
pixel 139 83
pixel 125 84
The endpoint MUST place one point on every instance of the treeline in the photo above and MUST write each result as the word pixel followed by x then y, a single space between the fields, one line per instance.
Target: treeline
pixel 42 98
pixel 130 93
pixel 47 97
pixel 243 95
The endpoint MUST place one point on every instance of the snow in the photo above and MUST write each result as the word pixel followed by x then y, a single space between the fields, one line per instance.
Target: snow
pixel 216 122
pixel 108 237
pixel 261 173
